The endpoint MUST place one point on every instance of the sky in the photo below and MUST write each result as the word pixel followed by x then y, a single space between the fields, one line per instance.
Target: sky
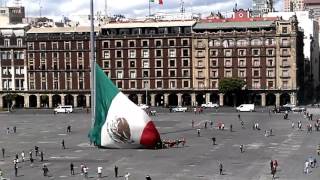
pixel 57 9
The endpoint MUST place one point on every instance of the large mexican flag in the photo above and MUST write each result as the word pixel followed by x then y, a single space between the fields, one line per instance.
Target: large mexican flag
pixel 119 123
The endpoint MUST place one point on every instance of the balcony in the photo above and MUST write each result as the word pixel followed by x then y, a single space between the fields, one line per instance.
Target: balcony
pixel 200 46
pixel 285 54
pixel 284 65
pixel 285 44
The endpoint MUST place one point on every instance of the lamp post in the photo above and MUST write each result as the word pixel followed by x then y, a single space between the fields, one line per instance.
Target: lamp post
pixel 146 86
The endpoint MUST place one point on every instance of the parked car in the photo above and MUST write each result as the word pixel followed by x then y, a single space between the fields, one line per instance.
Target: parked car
pixel 63 109
pixel 179 109
pixel 289 105
pixel 245 108
pixel 143 106
pixel 210 105
pixel 282 109
pixel 298 109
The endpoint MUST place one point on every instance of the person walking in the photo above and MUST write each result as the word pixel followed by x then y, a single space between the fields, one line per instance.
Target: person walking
pixel 192 123
pixel 99 169
pixel 15 168
pixel 126 176
pixel 241 148
pixel 148 177
pixel 14 129
pixel 71 169
pixel 213 140
pixel 271 166
pixel 45 170
pixel 62 144
pixel 69 129
pixel 198 132
pixel 22 156
pixel 116 171
pixel 230 127
pixel 220 168
pixel 205 124
pixel 85 171
pixel 36 149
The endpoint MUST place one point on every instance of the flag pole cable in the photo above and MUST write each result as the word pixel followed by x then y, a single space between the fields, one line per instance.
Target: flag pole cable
pixel 93 62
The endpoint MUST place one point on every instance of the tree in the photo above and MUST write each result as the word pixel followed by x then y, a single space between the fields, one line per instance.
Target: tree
pixel 232 86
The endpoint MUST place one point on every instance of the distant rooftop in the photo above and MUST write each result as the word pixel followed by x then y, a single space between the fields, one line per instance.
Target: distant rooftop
pixel 141 24
pixel 79 29
pixel 234 25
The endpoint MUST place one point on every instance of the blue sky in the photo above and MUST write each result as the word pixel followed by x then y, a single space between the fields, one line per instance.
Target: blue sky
pixel 130 8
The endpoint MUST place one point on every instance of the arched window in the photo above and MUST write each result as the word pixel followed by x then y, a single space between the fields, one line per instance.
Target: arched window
pixel 242 42
pixel 256 42
pixel 269 42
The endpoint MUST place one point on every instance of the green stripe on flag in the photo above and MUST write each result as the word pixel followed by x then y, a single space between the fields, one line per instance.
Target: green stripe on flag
pixel 151 0
pixel 105 92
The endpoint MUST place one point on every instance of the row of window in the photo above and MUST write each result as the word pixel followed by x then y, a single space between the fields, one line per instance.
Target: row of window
pixel 242 42
pixel 255 62
pixel 270 73
pixel 8 43
pixel 159 84
pixel 56 85
pixel 240 52
pixel 132 74
pixel 18 84
pixel 8 55
pixel 144 43
pixel 56 45
pixel 145 63
pixel 7 70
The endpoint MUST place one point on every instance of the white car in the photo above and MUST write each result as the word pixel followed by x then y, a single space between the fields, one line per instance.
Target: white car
pixel 210 105
pixel 179 109
pixel 246 108
pixel 289 105
pixel 143 106
pixel 63 109
pixel 298 109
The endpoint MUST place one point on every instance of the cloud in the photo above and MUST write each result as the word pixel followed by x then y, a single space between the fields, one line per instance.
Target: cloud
pixel 130 8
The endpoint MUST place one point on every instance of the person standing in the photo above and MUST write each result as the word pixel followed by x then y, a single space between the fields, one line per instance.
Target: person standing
pixel 213 140
pixel 71 169
pixel 69 129
pixel 14 129
pixel 99 171
pixel 148 177
pixel 192 123
pixel 85 171
pixel 205 124
pixel 241 148
pixel 198 132
pixel 41 156
pixel 271 166
pixel 116 171
pixel 126 176
pixel 62 144
pixel 36 149
pixel 45 170
pixel 17 156
pixel 230 127
pixel 3 151
pixel 220 168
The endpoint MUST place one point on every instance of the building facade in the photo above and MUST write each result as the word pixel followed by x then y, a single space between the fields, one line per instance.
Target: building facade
pixel 260 7
pixel 294 5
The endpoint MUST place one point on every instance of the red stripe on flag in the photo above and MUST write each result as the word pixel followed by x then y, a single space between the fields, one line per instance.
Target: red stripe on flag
pixel 150 136
pixel 161 2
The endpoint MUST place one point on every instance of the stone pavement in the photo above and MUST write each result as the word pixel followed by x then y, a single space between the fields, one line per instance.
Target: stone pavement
pixel 199 159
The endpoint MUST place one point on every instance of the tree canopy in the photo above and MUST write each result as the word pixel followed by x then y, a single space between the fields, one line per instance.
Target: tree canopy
pixel 231 85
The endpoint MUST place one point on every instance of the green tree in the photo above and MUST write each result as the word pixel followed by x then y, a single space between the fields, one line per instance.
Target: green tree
pixel 231 86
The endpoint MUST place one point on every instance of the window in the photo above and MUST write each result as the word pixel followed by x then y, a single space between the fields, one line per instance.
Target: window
pixel 228 52
pixel 132 53
pixel 256 42
pixel 285 42
pixel 145 43
pixel 145 63
pixel 216 42
pixel 185 62
pixel 285 73
pixel 185 73
pixel 242 42
pixel 106 44
pixel 255 52
pixel 118 54
pixel 145 73
pixel 19 42
pixel 119 84
pixel 172 73
pixel 172 62
pixel 119 64
pixel 172 84
pixel 54 45
pixel 256 84
pixel 158 63
pixel 67 45
pixel 171 42
pixel 68 65
pixel 106 54
pixel 119 74
pixel 214 84
pixel 42 46
pixel 256 73
pixel 227 63
pixel 241 52
pixel 185 84
pixel 158 43
pixel 200 74
pixel 214 73
pixel 55 55
pixel 256 62
pixel 242 63
pixel 270 52
pixel 213 52
pixel 185 42
pixel 133 74
pixel 132 44
pixel 285 52
pixel 79 45
pixel 200 84
pixel 228 43
pixel 80 55
pixel 228 73
pixel 214 62
pixel 285 84
pixel 172 53
pixel 106 64
pixel 270 62
pixel 158 52
pixel 6 42
pixel 270 73
pixel 200 63
pixel 185 52
pixel 285 30
pixel 132 64
pixel 159 83
pixel 42 55
pixel 132 84
pixel 158 73
pixel 270 85
pixel 242 73
pixel 145 53
pixel 269 42
pixel 285 62
pixel 200 54
pixel 30 46
pixel 118 43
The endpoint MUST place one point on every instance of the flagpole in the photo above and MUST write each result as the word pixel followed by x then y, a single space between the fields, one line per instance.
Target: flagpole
pixel 149 8
pixel 93 62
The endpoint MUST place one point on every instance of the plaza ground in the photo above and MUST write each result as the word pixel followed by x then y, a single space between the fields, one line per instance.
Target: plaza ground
pixel 199 159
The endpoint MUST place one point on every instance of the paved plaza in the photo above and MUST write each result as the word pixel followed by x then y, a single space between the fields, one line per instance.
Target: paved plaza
pixel 198 159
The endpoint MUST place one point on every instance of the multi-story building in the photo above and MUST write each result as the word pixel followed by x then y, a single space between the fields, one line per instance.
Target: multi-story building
pixel 58 67
pixel 260 7
pixel 314 7
pixel 13 65
pixel 294 5
pixel 265 52
pixel 11 15
pixel 151 62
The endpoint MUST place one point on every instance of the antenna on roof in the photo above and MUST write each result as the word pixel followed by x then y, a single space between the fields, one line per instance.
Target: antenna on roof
pixel 182 9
